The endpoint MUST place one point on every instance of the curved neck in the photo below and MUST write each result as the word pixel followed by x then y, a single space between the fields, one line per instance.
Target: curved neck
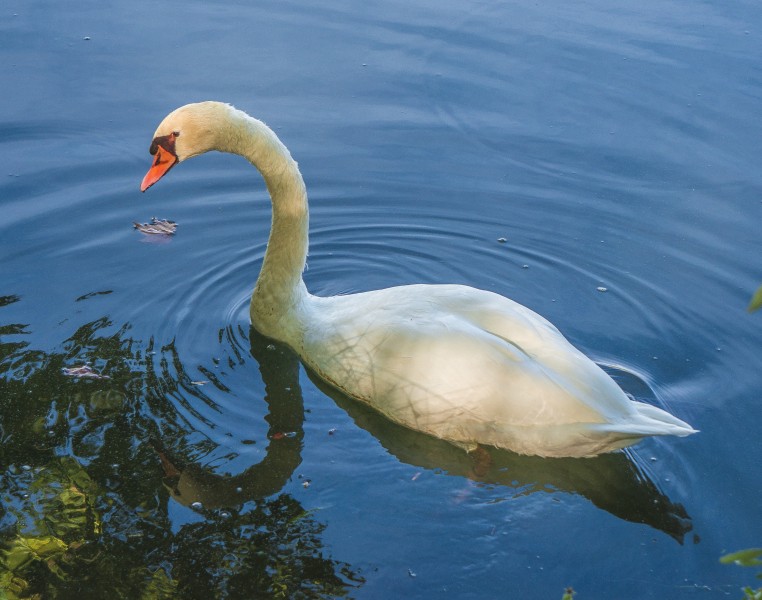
pixel 279 289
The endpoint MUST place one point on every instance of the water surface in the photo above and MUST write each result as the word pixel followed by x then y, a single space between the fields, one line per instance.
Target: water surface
pixel 609 147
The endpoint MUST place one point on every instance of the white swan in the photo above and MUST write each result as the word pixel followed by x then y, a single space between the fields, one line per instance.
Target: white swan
pixel 465 365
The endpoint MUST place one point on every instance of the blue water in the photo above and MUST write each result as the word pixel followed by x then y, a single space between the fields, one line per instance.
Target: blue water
pixel 611 146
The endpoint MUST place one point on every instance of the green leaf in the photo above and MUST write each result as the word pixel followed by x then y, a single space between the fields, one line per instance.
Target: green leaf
pixel 161 587
pixel 745 558
pixel 750 594
pixel 66 495
pixel 756 300
pixel 12 587
pixel 25 550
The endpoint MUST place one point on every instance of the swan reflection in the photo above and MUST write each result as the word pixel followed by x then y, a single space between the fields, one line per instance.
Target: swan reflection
pixel 190 483
pixel 613 482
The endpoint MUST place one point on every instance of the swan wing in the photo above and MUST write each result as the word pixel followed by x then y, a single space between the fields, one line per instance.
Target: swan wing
pixel 471 366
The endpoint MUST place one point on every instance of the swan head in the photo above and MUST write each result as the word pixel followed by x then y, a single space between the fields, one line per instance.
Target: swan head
pixel 185 132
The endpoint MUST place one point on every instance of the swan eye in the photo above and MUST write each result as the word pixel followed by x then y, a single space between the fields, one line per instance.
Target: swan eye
pixel 167 142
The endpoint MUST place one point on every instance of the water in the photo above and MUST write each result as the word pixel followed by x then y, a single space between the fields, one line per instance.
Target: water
pixel 611 147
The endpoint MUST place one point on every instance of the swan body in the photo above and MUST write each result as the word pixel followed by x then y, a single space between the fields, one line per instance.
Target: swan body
pixel 463 364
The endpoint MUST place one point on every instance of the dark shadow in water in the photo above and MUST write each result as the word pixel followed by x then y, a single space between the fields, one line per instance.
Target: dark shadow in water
pixel 190 483
pixel 612 482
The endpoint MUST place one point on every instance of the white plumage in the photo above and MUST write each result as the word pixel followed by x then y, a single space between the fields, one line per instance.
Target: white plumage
pixel 465 365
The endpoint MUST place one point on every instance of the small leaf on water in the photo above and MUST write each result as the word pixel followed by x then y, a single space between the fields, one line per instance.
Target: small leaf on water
pixel 745 558
pixel 85 371
pixel 756 300
pixel 157 227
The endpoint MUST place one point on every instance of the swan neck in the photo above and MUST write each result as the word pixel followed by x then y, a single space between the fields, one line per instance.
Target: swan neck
pixel 279 290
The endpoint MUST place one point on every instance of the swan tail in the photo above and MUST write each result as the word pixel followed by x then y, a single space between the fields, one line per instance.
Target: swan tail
pixel 579 439
pixel 648 421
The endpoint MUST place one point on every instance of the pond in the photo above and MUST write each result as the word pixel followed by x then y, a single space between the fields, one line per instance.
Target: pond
pixel 598 162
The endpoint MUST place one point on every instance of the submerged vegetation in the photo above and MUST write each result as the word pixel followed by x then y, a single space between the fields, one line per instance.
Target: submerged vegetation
pixel 87 489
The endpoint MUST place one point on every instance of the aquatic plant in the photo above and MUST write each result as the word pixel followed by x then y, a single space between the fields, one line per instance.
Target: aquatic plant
pixel 84 500
pixel 756 300
pixel 751 557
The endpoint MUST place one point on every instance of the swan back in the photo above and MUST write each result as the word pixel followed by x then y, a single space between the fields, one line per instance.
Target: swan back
pixel 471 367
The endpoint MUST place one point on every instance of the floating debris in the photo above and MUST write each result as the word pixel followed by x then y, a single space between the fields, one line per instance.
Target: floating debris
pixel 91 294
pixel 157 227
pixel 85 371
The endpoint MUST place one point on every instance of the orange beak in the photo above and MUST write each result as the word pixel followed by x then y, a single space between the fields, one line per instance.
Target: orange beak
pixel 163 162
